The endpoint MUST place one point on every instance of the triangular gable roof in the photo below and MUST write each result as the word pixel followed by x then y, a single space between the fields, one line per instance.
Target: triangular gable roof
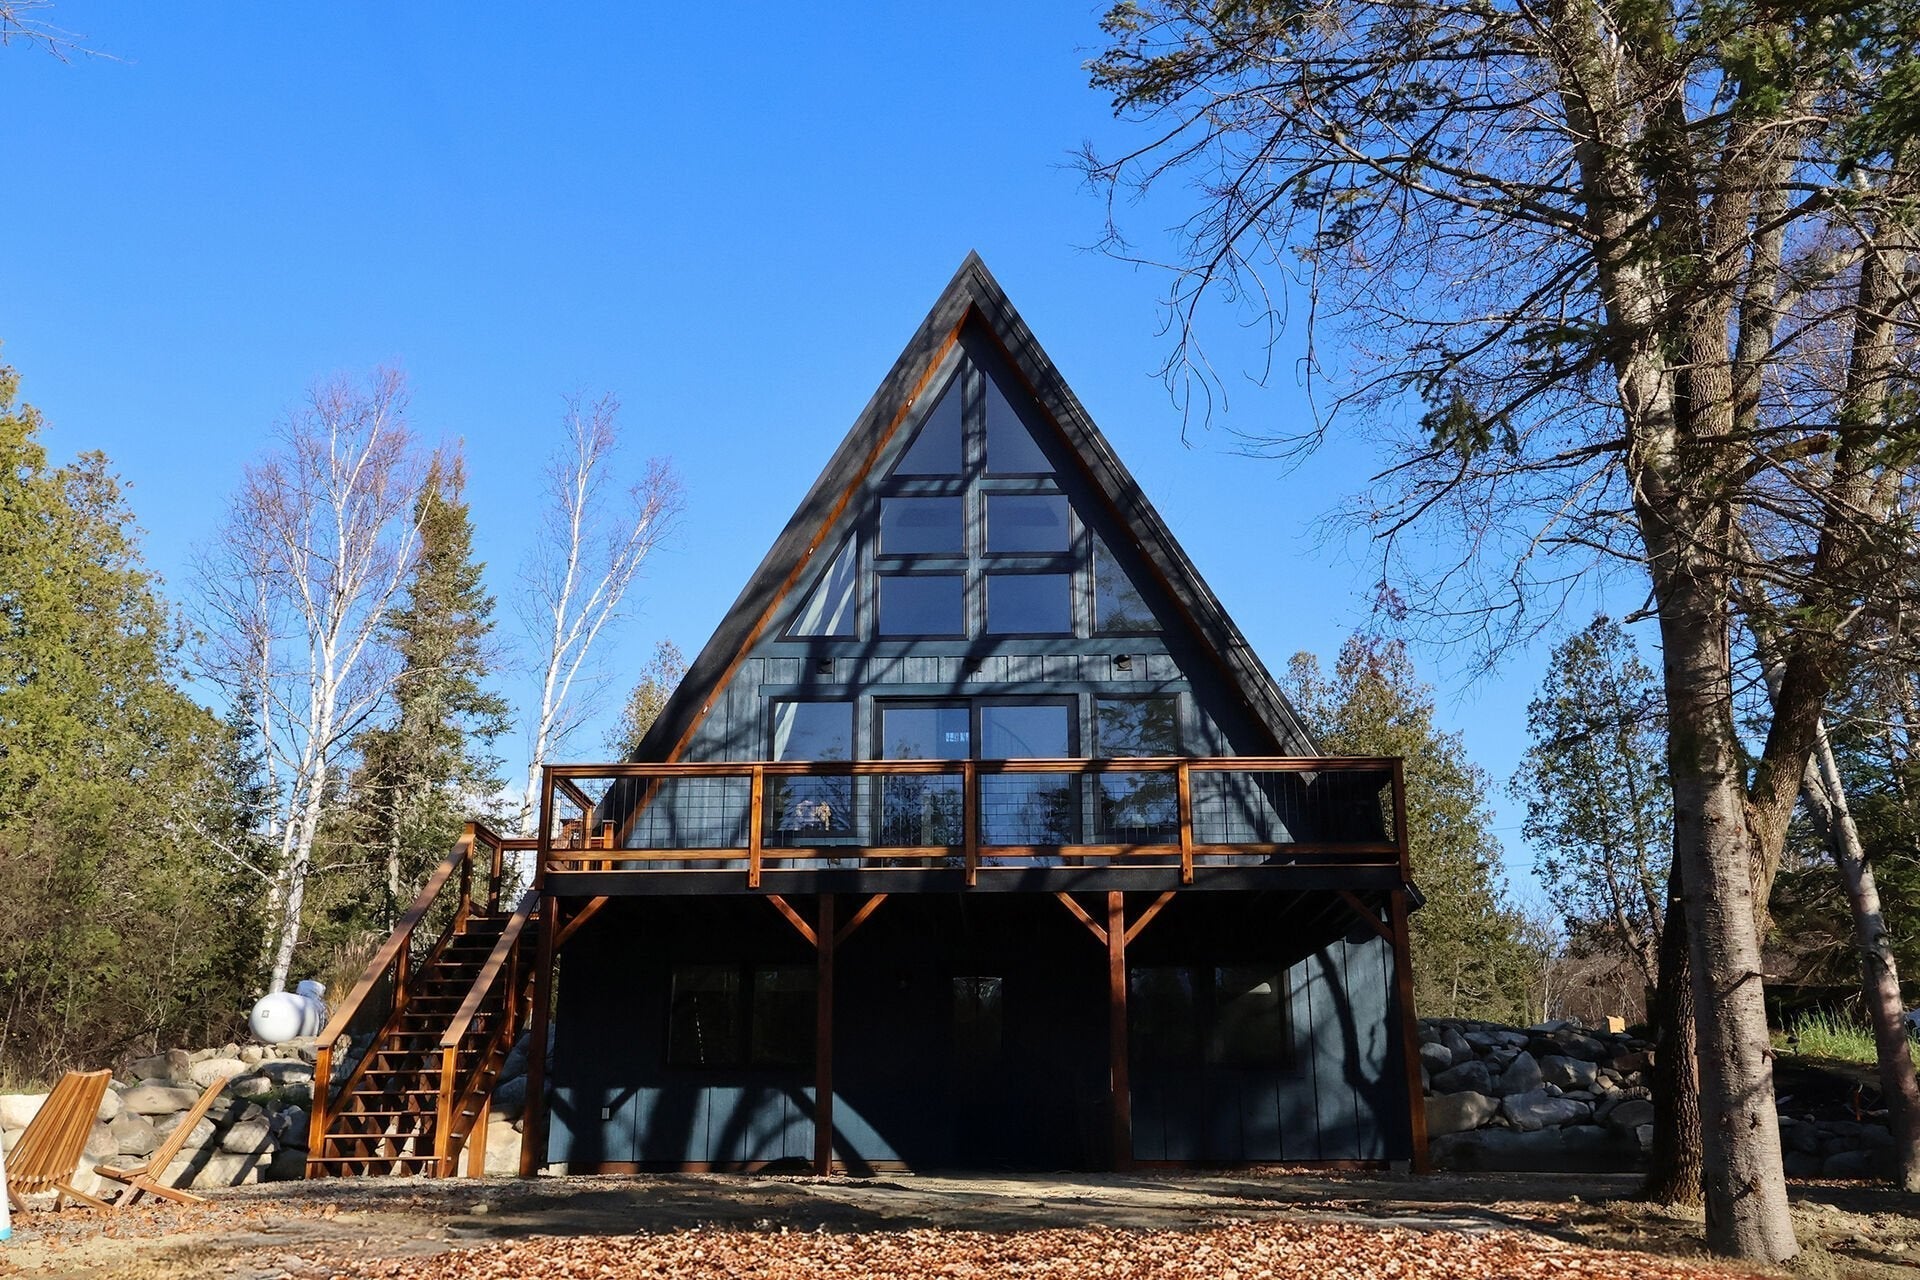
pixel 973 295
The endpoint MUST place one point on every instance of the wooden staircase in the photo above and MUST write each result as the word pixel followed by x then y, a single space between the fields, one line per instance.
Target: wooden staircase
pixel 443 1019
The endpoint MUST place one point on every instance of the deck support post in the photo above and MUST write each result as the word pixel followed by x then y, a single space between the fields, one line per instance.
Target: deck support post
pixel 825 945
pixel 1118 1073
pixel 533 1133
pixel 1409 1028
pixel 477 1139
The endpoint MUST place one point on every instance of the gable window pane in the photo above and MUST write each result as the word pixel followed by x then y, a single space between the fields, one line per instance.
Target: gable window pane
pixel 1011 448
pixel 1136 726
pixel 808 810
pixel 1117 606
pixel 1019 522
pixel 922 605
pixel 829 610
pixel 936 448
pixel 1030 604
pixel 920 809
pixel 922 526
pixel 703 1029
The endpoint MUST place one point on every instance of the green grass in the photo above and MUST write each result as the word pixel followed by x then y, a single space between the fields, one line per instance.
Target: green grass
pixel 1823 1035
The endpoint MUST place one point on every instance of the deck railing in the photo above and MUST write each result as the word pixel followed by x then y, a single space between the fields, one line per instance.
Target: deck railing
pixel 968 814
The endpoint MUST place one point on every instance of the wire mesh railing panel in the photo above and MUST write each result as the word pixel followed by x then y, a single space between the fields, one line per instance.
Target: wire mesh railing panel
pixel 1267 807
pixel 921 810
pixel 1137 807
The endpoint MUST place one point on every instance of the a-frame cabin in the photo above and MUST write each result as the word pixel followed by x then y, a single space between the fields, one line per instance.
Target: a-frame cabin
pixel 975 837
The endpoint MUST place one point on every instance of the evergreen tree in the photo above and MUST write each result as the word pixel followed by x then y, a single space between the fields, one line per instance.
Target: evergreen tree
pixel 1599 809
pixel 432 768
pixel 658 679
pixel 116 924
pixel 1474 954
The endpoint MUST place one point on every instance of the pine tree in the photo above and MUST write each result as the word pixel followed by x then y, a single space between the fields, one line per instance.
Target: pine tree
pixel 1474 954
pixel 648 698
pixel 432 768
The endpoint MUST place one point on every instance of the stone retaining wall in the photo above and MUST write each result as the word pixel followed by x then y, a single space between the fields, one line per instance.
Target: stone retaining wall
pixel 1561 1098
pixel 255 1131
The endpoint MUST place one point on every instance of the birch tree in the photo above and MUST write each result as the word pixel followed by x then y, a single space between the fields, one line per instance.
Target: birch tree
pixel 1559 245
pixel 316 548
pixel 592 544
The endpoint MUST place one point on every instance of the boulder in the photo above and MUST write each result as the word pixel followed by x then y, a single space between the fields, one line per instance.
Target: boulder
pixel 283 1074
pixel 201 1135
pixel 109 1106
pixel 207 1070
pixel 252 1054
pixel 1569 1073
pixel 1435 1057
pixel 1530 1111
pixel 1572 1044
pixel 216 1169
pixel 503 1150
pixel 289 1164
pixel 247 1137
pixel 1521 1076
pixel 510 1098
pixel 1801 1164
pixel 1858 1164
pixel 17 1110
pixel 1459 1112
pixel 290 1127
pixel 133 1135
pixel 1630 1115
pixel 1629 1063
pixel 101 1145
pixel 1456 1044
pixel 158 1099
pixel 1468 1076
pixel 155 1068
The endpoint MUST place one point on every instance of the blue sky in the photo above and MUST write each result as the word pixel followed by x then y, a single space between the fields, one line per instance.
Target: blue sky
pixel 731 218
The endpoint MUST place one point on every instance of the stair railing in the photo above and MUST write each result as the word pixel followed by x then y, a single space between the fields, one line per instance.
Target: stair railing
pixel 482 1033
pixel 380 996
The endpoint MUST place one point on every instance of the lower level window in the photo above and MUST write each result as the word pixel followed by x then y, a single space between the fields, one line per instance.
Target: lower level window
pixel 736 1015
pixel 1225 1016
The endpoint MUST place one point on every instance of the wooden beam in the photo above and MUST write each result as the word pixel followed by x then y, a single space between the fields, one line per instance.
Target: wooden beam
pixel 756 828
pixel 1119 1075
pixel 1133 930
pixel 859 918
pixel 1409 1027
pixel 823 1043
pixel 1372 917
pixel 533 1133
pixel 477 1139
pixel 1183 798
pixel 795 919
pixel 580 918
pixel 1080 914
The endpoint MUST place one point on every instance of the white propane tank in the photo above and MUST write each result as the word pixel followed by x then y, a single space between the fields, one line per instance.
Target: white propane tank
pixel 281 1016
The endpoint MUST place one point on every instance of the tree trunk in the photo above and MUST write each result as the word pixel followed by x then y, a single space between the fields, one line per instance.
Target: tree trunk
pixel 1879 974
pixel 1717 850
pixel 1674 1177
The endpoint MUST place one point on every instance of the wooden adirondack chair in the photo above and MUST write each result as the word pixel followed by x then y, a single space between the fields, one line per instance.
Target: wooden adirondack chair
pixel 50 1149
pixel 144 1178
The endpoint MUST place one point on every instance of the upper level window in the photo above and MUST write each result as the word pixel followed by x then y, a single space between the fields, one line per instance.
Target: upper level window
pixel 923 526
pixel 1030 604
pixel 1117 604
pixel 1027 523
pixel 939 446
pixel 1011 448
pixel 829 610
pixel 924 604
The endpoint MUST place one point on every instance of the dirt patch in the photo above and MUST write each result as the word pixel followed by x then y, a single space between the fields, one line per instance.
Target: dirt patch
pixel 926 1224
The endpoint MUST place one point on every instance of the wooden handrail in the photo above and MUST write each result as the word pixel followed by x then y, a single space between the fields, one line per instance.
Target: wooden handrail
pixel 490 971
pixel 572 851
pixel 1078 765
pixel 401 937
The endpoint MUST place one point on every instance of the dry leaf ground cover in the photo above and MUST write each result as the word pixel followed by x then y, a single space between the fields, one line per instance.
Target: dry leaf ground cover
pixel 1150 1227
